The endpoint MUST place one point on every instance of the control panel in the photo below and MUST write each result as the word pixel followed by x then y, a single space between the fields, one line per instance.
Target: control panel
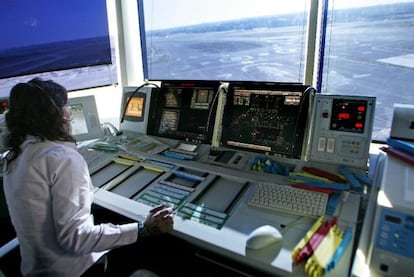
pixel 387 238
pixel 395 233
pixel 392 237
pixel 342 129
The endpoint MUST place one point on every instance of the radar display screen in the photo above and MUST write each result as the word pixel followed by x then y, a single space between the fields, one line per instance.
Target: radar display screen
pixel 266 117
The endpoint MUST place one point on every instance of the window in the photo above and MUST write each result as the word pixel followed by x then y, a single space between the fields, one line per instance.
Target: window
pixel 368 47
pixel 228 40
pixel 67 41
pixel 370 51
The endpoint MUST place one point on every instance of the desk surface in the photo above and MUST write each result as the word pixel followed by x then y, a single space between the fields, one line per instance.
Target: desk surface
pixel 242 219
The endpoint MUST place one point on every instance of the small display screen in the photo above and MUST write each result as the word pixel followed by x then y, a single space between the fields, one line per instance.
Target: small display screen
pixel 169 121
pixel 85 123
pixel 186 110
pixel 79 124
pixel 393 219
pixel 201 98
pixel 133 104
pixel 348 115
pixel 202 95
pixel 172 98
pixel 135 107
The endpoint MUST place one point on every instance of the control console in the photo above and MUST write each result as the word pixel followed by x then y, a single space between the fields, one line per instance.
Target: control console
pixel 342 129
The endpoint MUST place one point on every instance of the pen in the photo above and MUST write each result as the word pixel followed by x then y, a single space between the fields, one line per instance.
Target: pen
pixel 340 250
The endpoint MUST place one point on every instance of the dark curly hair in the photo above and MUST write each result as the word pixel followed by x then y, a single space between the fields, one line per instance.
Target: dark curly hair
pixel 35 109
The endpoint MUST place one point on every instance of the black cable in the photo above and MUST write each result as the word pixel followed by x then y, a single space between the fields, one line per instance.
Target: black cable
pixel 303 98
pixel 132 95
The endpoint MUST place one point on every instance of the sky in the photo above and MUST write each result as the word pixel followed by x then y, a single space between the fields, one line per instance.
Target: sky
pixel 175 13
pixel 24 22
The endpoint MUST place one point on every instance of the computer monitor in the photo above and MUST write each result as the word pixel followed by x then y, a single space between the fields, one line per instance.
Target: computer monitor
pixel 185 110
pixel 266 117
pixel 85 118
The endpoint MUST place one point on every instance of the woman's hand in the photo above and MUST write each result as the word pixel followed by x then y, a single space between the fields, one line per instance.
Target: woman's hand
pixel 159 220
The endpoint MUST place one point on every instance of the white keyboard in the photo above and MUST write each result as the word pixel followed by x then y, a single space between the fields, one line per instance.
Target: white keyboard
pixel 289 199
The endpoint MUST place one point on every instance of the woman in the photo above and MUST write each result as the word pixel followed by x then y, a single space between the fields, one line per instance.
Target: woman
pixel 49 192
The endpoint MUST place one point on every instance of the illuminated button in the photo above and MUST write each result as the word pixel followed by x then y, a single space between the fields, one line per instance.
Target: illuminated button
pixel 359 125
pixel 331 145
pixel 343 116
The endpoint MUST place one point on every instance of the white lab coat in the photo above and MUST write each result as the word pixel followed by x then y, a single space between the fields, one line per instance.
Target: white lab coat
pixel 49 195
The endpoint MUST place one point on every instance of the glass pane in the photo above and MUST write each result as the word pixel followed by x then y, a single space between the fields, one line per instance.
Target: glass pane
pixel 227 40
pixel 370 51
pixel 67 41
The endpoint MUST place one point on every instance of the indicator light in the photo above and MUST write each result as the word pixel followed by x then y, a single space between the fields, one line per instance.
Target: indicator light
pixel 343 115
